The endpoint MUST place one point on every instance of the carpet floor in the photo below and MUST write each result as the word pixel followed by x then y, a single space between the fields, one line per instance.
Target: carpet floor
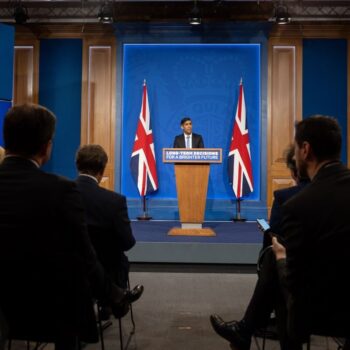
pixel 173 313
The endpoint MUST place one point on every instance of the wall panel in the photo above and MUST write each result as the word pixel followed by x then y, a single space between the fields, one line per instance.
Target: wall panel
pixel 26 72
pixel 284 109
pixel 98 99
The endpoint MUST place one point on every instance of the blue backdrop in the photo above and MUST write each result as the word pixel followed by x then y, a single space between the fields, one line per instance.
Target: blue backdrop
pixel 200 81
pixel 4 106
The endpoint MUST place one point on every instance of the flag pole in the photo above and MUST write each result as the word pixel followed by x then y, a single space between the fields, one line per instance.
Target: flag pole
pixel 238 217
pixel 143 161
pixel 239 160
pixel 144 216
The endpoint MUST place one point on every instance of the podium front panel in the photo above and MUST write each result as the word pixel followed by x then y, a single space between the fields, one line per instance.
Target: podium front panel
pixel 192 187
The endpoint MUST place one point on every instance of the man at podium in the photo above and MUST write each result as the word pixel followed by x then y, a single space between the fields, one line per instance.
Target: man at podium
pixel 188 139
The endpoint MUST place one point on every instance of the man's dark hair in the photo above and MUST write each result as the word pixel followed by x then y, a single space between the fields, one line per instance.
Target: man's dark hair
pixel 184 120
pixel 322 133
pixel 27 128
pixel 290 160
pixel 91 159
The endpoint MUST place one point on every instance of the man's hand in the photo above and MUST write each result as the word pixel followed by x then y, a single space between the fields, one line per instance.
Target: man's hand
pixel 278 249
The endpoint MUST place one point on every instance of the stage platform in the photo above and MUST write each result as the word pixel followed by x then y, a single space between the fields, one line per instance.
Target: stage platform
pixel 234 243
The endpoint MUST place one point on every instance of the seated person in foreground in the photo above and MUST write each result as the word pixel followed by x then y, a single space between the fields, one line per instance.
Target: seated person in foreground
pixel 3 331
pixel 282 195
pixel 107 215
pixel 42 214
pixel 267 295
pixel 313 260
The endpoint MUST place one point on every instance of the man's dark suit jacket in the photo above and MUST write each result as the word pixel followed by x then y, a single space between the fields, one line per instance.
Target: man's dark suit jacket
pixel 197 141
pixel 280 197
pixel 316 228
pixel 109 227
pixel 40 213
pixel 42 223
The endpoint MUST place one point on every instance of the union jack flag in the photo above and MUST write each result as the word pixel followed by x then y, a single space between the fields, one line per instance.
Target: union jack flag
pixel 143 161
pixel 239 159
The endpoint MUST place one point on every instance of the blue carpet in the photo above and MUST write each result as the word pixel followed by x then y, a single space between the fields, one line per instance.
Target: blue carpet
pixel 226 232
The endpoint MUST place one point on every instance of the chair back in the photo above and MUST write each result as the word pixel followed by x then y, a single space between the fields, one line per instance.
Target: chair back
pixel 112 258
pixel 3 330
pixel 322 305
pixel 46 298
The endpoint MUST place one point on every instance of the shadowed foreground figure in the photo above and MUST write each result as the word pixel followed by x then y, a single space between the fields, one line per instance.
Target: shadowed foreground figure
pixel 107 215
pixel 313 260
pixel 314 257
pixel 42 218
pixel 267 296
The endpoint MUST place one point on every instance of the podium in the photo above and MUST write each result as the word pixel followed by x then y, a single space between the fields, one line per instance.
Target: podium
pixel 192 167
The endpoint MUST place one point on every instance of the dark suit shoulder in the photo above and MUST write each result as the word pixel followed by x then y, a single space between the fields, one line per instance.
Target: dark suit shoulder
pixel 55 181
pixel 90 189
pixel 111 194
pixel 59 178
pixel 197 141
pixel 283 194
pixel 179 141
pixel 178 138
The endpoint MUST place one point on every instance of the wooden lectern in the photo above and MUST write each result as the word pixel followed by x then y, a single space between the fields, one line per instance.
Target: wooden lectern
pixel 192 175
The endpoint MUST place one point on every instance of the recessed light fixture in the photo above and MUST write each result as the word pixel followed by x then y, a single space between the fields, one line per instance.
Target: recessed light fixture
pixel 105 15
pixel 20 13
pixel 282 15
pixel 195 18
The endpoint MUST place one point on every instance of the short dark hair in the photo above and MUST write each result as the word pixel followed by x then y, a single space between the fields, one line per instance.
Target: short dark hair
pixel 27 128
pixel 91 159
pixel 184 120
pixel 323 133
pixel 290 160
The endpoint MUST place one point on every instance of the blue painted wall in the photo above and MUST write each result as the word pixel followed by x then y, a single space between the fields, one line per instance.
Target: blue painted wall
pixel 60 91
pixel 4 107
pixel 7 42
pixel 201 81
pixel 325 81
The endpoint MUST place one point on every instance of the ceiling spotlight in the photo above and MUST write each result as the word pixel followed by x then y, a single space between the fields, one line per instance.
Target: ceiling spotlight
pixel 282 15
pixel 105 15
pixel 20 13
pixel 195 18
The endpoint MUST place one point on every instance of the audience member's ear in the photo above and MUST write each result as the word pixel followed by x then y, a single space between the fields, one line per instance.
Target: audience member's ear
pixel 307 151
pixel 293 175
pixel 45 152
pixel 99 176
pixel 2 154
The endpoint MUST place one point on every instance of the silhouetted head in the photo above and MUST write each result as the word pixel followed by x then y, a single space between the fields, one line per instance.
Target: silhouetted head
pixel 91 160
pixel 29 130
